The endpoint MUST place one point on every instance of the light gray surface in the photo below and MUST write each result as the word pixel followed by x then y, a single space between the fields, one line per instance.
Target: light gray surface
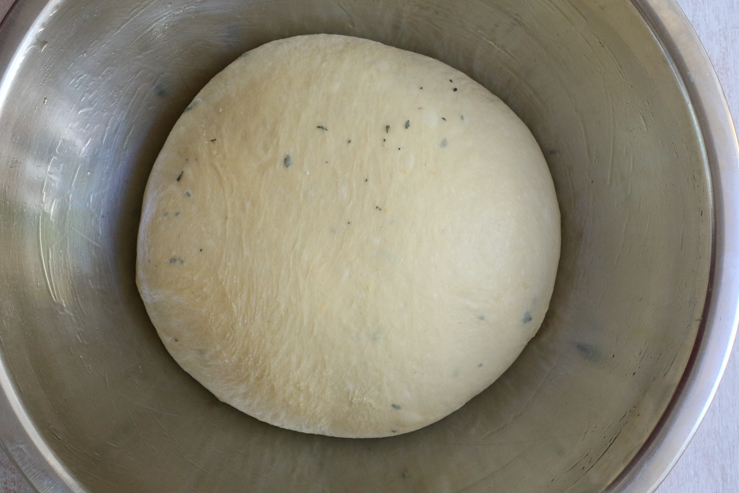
pixel 722 432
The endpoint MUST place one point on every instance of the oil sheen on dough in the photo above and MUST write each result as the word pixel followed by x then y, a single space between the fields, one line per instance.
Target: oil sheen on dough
pixel 344 238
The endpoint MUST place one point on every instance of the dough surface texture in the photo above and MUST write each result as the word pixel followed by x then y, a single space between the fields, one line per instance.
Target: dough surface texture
pixel 348 239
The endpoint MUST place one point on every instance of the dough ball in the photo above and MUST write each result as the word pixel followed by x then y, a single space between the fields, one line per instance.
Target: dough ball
pixel 344 238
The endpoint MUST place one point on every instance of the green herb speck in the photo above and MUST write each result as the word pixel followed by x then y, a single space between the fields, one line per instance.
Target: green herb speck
pixel 179 177
pixel 395 406
pixel 322 128
pixel 212 140
pixel 455 89
pixel 387 129
pixel 288 161
pixel 407 124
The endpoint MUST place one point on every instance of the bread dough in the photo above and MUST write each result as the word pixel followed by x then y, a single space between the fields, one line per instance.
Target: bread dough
pixel 344 238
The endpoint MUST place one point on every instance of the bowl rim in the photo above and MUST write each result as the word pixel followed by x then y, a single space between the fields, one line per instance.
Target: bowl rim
pixel 718 328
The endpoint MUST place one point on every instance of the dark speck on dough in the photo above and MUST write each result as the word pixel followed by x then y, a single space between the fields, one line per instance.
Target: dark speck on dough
pixel 450 80
pixel 407 123
pixel 179 177
pixel 393 431
pixel 177 213
pixel 395 406
pixel 455 89
pixel 480 365
pixel 349 141
pixel 160 91
pixel 173 260
pixel 322 128
pixel 481 317
pixel 366 179
pixel 188 193
pixel 526 317
pixel 176 340
pixel 443 118
pixel 378 207
pixel 166 213
pixel 212 140
pixel 288 161
pixel 387 129
pixel 444 143
pixel 201 249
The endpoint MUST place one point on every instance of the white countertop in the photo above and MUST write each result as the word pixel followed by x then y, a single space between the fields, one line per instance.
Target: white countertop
pixel 711 462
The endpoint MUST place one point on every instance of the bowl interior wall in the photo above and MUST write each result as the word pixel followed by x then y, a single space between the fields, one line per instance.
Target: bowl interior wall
pixel 98 87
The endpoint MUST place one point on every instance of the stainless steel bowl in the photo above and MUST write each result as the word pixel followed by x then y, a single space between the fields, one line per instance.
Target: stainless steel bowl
pixel 625 105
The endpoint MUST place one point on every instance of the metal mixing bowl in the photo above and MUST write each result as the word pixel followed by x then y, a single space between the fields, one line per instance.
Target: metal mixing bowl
pixel 629 113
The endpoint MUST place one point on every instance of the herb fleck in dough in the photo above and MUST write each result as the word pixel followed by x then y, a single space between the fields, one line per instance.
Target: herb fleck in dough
pixel 348 290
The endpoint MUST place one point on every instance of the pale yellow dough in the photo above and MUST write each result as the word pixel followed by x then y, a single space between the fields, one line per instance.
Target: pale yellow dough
pixel 390 273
